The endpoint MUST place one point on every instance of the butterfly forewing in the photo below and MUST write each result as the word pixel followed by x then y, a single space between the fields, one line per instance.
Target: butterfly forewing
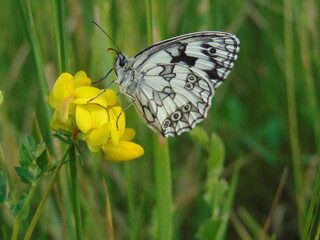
pixel 211 54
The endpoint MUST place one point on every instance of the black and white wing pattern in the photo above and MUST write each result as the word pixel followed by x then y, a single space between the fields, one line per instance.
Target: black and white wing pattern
pixel 211 54
pixel 172 98
pixel 172 82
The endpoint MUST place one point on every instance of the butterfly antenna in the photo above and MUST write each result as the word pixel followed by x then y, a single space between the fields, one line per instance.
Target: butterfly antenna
pixel 107 36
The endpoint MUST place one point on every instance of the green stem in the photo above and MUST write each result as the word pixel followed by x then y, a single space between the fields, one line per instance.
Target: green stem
pixel 62 35
pixel 313 218
pixel 75 192
pixel 161 158
pixel 35 45
pixel 16 226
pixel 292 112
pixel 130 200
pixel 45 196
pixel 163 188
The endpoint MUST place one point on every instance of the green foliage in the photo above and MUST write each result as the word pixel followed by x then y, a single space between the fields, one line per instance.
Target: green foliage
pixel 33 160
pixel 63 136
pixel 25 174
pixel 225 173
pixel 18 206
pixel 3 186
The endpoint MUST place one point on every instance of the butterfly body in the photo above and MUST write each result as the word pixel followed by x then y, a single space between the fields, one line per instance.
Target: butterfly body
pixel 172 82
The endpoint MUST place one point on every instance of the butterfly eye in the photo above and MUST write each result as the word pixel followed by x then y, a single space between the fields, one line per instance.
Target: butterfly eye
pixel 122 61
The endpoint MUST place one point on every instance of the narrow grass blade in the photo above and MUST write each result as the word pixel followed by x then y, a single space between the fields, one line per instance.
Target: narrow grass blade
pixel 292 111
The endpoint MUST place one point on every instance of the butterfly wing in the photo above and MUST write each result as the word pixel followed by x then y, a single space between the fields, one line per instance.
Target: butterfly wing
pixel 211 54
pixel 172 98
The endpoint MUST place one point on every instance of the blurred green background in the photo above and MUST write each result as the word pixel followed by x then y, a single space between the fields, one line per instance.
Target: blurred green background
pixel 266 114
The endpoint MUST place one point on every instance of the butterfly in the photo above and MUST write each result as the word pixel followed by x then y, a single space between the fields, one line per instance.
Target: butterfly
pixel 172 82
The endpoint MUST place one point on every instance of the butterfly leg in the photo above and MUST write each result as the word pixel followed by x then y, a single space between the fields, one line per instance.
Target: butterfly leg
pixel 123 109
pixel 105 76
pixel 105 89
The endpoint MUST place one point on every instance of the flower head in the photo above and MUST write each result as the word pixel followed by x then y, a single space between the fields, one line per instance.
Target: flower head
pixel 95 115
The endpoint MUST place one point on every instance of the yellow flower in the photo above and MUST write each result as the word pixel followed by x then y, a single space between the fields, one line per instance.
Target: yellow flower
pixel 93 115
pixel 61 99
pixel 124 150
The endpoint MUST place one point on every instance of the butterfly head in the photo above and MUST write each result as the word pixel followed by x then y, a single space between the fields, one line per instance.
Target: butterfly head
pixel 121 61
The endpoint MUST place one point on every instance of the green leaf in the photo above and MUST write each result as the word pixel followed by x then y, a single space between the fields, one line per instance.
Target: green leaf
pixel 216 154
pixel 199 135
pixel 41 147
pixel 17 207
pixel 42 161
pixel 209 229
pixel 63 136
pixel 25 175
pixel 54 166
pixel 3 186
pixel 31 143
pixel 25 155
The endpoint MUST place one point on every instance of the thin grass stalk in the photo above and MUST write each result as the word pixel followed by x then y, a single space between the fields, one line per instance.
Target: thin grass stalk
pixel 306 49
pixel 45 196
pixel 25 11
pixel 161 157
pixel 26 203
pixel 109 222
pixel 62 34
pixel 313 216
pixel 292 112
pixel 312 219
pixel 130 201
pixel 227 208
pixel 75 192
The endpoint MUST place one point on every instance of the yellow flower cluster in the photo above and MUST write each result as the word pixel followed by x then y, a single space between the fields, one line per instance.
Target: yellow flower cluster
pixel 96 119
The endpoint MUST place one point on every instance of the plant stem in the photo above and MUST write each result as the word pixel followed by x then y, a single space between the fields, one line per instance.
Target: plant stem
pixel 130 200
pixel 75 192
pixel 62 35
pixel 163 188
pixel 35 45
pixel 22 211
pixel 45 196
pixel 313 218
pixel 161 155
pixel 292 112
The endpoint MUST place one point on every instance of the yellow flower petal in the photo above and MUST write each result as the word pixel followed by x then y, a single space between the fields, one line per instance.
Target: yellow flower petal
pixel 85 95
pixel 81 79
pixel 68 126
pixel 111 97
pixel 128 135
pixel 97 137
pixel 61 114
pixel 118 123
pixel 124 151
pixel 90 117
pixel 63 87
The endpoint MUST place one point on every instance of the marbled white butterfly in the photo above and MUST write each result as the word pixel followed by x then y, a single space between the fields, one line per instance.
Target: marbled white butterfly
pixel 172 82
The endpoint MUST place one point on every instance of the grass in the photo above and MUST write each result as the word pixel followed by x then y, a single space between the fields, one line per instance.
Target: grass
pixel 250 171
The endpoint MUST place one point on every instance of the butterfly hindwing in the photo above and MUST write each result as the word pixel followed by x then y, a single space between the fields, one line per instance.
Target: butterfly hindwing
pixel 211 54
pixel 172 98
